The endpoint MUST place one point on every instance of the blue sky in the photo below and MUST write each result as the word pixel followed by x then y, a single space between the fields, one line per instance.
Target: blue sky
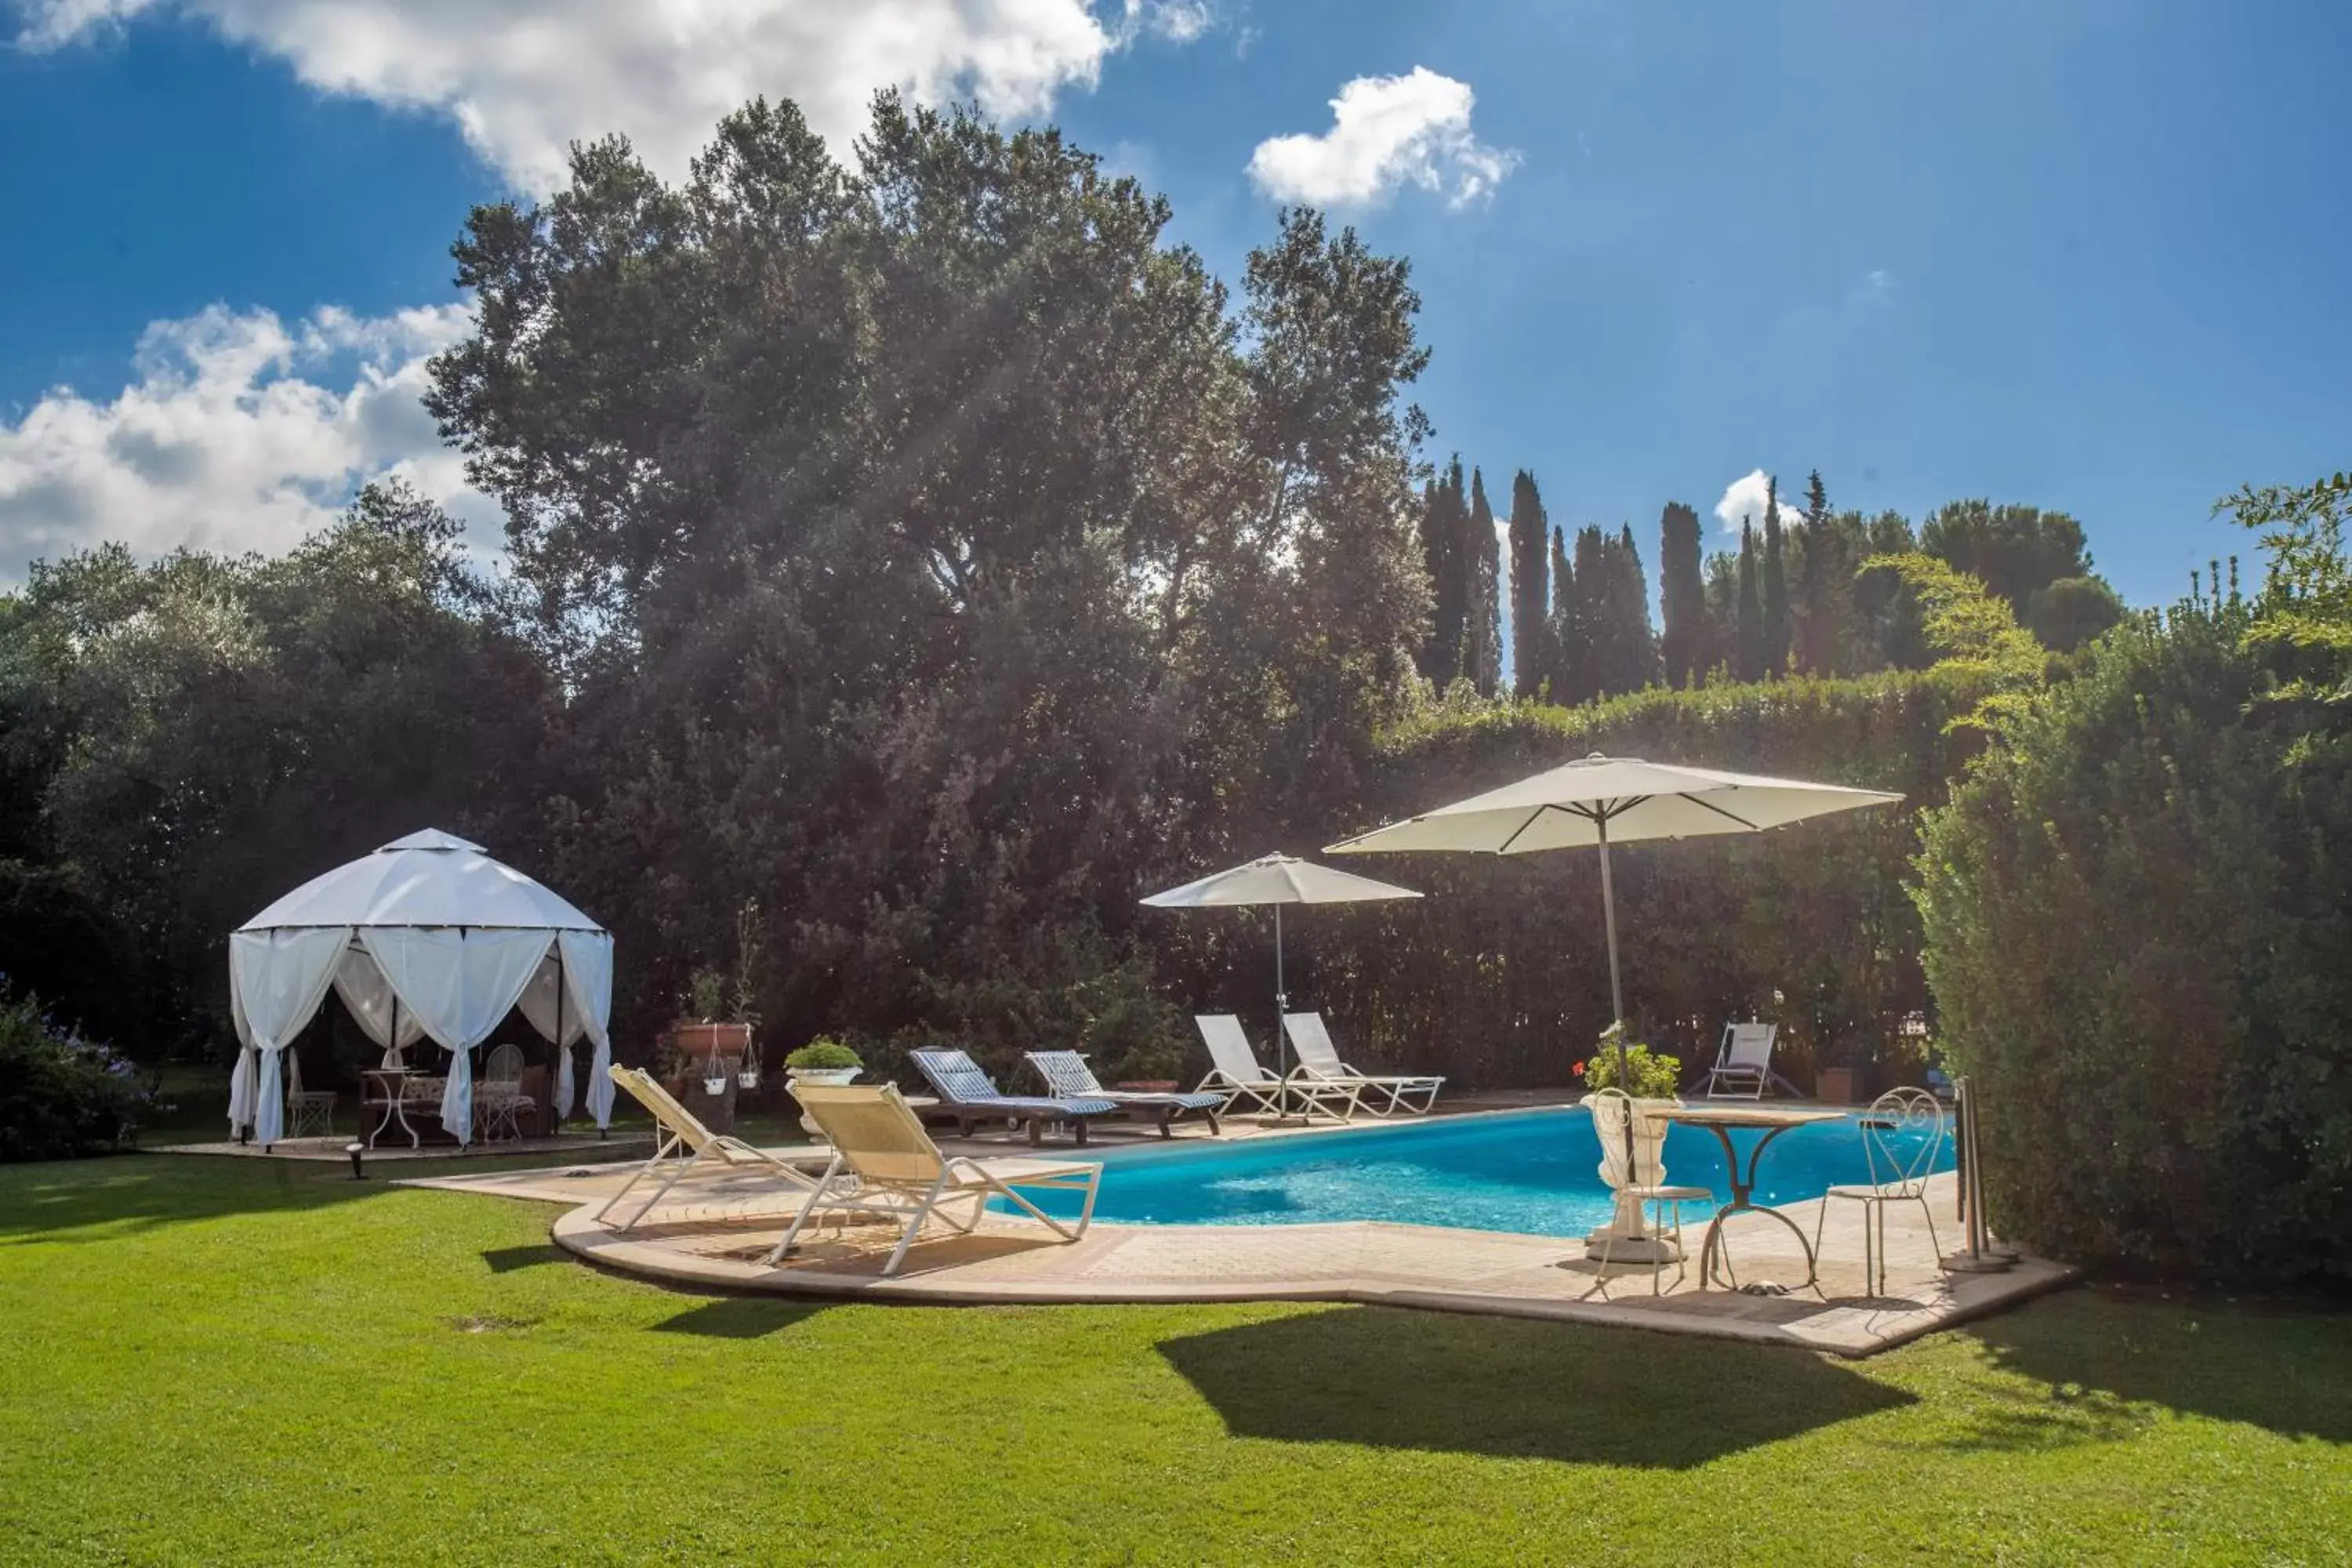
pixel 2087 256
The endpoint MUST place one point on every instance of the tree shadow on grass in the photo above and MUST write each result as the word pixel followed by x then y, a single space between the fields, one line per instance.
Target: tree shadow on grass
pixel 2104 1364
pixel 1511 1388
pixel 738 1318
pixel 507 1259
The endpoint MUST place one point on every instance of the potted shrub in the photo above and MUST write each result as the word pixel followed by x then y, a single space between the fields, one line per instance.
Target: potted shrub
pixel 824 1062
pixel 1649 1077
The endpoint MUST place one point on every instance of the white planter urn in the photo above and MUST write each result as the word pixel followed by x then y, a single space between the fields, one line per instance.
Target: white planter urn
pixel 1627 1234
pixel 823 1078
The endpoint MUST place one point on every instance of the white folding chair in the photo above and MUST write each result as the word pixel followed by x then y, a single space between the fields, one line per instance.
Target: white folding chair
pixel 1235 1073
pixel 310 1113
pixel 1743 1062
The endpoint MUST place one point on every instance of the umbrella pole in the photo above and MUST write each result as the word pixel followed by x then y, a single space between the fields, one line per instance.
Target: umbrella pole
pixel 1608 921
pixel 1281 1006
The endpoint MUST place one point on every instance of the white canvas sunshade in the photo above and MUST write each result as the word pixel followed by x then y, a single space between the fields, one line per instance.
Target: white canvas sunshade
pixel 1601 801
pixel 1277 880
pixel 426 938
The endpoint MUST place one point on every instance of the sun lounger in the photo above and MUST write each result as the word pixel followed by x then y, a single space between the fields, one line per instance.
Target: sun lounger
pixel 680 1129
pixel 1234 1073
pixel 1319 1058
pixel 973 1095
pixel 885 1163
pixel 1067 1076
pixel 1743 1063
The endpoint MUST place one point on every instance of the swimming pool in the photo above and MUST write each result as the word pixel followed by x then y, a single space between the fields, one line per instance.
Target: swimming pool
pixel 1533 1172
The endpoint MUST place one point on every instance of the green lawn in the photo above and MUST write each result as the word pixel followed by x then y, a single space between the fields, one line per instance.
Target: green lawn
pixel 206 1360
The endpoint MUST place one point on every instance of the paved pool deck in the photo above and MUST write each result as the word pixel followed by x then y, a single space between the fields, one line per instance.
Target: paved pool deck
pixel 712 1230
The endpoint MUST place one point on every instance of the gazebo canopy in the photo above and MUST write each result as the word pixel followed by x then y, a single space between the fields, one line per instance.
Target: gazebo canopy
pixel 426 938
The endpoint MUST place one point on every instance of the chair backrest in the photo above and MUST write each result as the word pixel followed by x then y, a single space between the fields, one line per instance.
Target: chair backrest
pixel 666 1109
pixel 1066 1073
pixel 875 1131
pixel 1632 1141
pixel 1228 1047
pixel 1748 1046
pixel 1312 1040
pixel 955 1075
pixel 504 1066
pixel 1901 1133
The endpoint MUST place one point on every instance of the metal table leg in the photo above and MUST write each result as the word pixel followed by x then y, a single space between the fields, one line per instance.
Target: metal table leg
pixel 1743 1188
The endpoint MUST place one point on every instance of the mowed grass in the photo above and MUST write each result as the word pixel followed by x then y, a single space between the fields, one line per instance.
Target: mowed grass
pixel 207 1360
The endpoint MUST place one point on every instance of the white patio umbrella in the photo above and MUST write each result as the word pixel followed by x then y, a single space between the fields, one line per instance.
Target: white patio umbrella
pixel 1605 800
pixel 1277 880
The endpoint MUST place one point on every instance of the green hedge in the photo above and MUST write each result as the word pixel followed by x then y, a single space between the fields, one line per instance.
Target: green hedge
pixel 64 1095
pixel 1499 977
pixel 2135 923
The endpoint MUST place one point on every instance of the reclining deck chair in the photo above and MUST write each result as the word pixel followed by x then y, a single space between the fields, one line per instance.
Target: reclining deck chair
pixel 964 1090
pixel 1743 1062
pixel 1234 1073
pixel 1319 1058
pixel 680 1129
pixel 1068 1077
pixel 885 1163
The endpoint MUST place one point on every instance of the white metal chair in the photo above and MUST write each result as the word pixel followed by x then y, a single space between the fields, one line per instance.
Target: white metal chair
pixel 499 1102
pixel 310 1113
pixel 1631 1163
pixel 1743 1062
pixel 1319 1058
pixel 1235 1073
pixel 1901 1134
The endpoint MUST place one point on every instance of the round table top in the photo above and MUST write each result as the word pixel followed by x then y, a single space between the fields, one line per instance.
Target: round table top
pixel 1717 1115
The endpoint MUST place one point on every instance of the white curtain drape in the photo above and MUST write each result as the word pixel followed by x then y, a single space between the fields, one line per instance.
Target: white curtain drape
pixel 277 980
pixel 459 983
pixel 370 1000
pixel 588 970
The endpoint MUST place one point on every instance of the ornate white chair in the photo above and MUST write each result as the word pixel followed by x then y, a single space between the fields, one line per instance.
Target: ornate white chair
pixel 310 1113
pixel 500 1103
pixel 1901 1134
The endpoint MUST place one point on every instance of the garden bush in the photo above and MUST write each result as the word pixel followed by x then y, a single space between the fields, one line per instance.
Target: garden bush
pixel 66 1094
pixel 2135 926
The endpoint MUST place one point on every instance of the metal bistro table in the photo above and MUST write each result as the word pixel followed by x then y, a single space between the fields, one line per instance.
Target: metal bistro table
pixel 1721 1120
pixel 393 1083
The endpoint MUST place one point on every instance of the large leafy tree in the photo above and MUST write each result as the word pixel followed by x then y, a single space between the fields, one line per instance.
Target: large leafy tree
pixel 936 552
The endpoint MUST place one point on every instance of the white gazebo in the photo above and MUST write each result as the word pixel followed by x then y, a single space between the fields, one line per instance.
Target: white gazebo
pixel 428 937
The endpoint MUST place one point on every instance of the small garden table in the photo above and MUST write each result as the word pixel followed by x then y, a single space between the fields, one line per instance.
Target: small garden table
pixel 393 1082
pixel 1772 1120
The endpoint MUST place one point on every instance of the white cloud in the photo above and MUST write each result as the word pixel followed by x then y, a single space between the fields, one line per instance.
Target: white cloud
pixel 1743 498
pixel 523 79
pixel 238 432
pixel 1386 132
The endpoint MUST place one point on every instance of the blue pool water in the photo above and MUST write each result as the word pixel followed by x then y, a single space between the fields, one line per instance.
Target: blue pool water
pixel 1534 1172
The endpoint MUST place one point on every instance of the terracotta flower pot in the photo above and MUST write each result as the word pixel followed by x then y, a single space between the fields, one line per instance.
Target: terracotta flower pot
pixel 1838 1086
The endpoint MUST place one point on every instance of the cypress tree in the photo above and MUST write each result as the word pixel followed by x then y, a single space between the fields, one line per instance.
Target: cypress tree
pixel 1567 655
pixel 1684 590
pixel 1443 520
pixel 1531 655
pixel 1639 639
pixel 1483 641
pixel 1814 618
pixel 1774 582
pixel 1748 628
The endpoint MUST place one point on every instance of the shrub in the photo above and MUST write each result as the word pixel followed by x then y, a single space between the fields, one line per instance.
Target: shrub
pixel 821 1054
pixel 2135 917
pixel 1648 1075
pixel 65 1095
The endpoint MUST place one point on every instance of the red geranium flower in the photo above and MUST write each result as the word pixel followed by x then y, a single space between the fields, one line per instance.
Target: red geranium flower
pixel 1579 1069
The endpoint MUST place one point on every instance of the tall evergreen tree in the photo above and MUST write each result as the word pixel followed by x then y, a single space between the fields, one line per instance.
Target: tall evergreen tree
pixel 1531 655
pixel 1444 522
pixel 1636 640
pixel 1566 653
pixel 1747 628
pixel 1483 641
pixel 1684 590
pixel 1773 580
pixel 1813 610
